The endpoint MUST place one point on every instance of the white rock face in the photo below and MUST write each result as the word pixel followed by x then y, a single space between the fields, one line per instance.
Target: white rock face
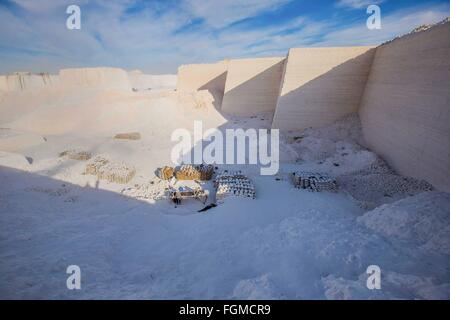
pixel 405 111
pixel 98 78
pixel 94 78
pixel 21 81
pixel 321 85
pixel 193 77
pixel 252 85
pixel 140 81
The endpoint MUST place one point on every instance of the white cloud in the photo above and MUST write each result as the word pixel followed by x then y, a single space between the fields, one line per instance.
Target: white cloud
pixel 47 6
pixel 357 4
pixel 396 24
pixel 220 13
pixel 147 40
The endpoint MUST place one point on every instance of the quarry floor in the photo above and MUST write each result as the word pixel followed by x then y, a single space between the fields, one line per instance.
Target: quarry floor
pixel 285 244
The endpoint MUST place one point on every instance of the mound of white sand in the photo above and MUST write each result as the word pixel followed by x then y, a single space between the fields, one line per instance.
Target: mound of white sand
pixel 14 160
pixel 13 140
pixel 107 112
pixel 423 219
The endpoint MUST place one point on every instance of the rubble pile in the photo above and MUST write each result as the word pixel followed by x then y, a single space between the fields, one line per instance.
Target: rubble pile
pixel 375 189
pixel 93 166
pixel 155 189
pixel 104 169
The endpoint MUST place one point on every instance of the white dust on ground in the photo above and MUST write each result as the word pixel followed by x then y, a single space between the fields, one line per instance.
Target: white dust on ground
pixel 288 243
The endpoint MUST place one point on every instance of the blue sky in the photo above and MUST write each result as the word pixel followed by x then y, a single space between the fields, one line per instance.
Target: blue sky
pixel 156 36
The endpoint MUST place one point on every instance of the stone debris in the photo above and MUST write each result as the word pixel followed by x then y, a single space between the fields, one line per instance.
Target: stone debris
pixel 374 189
pixel 117 172
pixel 155 189
pixel 93 166
pixel 76 154
pixel 234 184
pixel 104 169
pixel 128 136
pixel 195 172
pixel 313 181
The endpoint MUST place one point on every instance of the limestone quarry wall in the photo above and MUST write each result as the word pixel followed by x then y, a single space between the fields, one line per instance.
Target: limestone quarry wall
pixel 321 85
pixel 22 81
pixel 141 81
pixel 252 85
pixel 193 77
pixel 405 110
pixel 94 78
pixel 97 78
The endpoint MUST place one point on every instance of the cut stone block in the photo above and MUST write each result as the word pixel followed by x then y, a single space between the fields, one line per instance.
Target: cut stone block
pixel 75 154
pixel 128 136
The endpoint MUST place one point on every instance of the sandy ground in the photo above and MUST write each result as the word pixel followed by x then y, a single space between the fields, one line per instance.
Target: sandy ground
pixel 285 244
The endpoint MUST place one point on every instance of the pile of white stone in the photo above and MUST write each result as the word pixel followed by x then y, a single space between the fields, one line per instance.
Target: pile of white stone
pixel 234 184
pixel 105 169
pixel 313 181
pixel 155 189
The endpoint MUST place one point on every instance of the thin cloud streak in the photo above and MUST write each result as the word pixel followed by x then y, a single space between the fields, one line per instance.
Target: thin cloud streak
pixel 34 38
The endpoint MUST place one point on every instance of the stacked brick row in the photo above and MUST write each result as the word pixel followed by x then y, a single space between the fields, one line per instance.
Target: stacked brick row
pixel 313 181
pixel 234 184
